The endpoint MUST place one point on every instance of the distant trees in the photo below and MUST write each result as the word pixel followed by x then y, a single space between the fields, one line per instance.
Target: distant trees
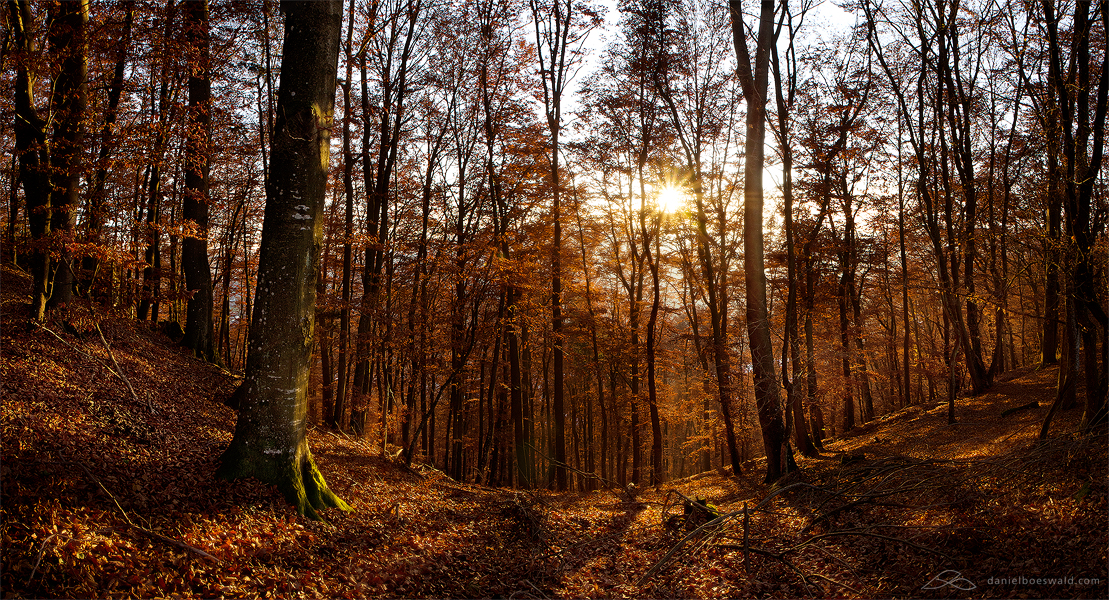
pixel 500 292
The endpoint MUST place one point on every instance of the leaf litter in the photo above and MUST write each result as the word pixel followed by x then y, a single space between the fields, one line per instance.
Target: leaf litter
pixel 111 493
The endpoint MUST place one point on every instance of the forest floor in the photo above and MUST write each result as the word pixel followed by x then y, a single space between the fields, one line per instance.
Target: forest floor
pixel 109 492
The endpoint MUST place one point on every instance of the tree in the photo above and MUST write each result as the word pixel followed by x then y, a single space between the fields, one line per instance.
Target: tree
pixel 333 410
pixel 33 152
pixel 625 117
pixel 50 162
pixel 785 99
pixel 561 28
pixel 69 23
pixel 194 251
pixel 1080 153
pixel 96 213
pixel 702 117
pixel 168 93
pixel 391 48
pixel 754 79
pixel 270 435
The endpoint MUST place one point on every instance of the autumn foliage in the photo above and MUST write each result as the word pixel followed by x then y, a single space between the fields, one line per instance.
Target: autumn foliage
pixel 659 298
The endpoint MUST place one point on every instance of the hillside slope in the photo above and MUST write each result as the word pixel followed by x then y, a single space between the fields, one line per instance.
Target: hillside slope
pixel 110 493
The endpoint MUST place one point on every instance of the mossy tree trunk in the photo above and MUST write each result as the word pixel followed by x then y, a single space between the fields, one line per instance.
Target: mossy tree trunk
pixel 270 442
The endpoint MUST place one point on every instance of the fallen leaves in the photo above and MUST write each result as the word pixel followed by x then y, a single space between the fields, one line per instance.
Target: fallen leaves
pixel 997 511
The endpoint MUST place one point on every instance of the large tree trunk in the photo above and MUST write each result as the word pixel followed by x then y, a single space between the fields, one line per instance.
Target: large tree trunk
pixel 68 45
pixel 33 152
pixel 194 251
pixel 270 442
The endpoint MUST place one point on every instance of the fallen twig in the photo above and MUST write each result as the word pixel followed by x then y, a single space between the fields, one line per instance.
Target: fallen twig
pixel 119 371
pixel 842 585
pixel 42 552
pixel 66 342
pixel 866 534
pixel 131 523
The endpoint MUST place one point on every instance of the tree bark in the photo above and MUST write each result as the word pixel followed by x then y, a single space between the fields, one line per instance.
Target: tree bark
pixel 270 442
pixel 34 154
pixel 194 251
pixel 754 78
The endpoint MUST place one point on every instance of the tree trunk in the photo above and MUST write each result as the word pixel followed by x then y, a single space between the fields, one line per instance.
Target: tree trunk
pixel 652 325
pixel 754 79
pixel 69 46
pixel 194 253
pixel 810 359
pixel 862 366
pixel 95 214
pixel 558 29
pixel 168 91
pixel 33 152
pixel 335 416
pixel 845 354
pixel 270 442
pixel 393 94
pixel 1049 347
pixel 590 465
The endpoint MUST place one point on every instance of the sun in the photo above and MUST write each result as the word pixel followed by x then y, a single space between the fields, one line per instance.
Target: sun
pixel 670 198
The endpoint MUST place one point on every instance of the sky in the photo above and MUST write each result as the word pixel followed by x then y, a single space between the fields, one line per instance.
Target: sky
pixel 826 21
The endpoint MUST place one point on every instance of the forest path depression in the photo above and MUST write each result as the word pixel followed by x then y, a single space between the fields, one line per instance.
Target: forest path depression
pixel 110 492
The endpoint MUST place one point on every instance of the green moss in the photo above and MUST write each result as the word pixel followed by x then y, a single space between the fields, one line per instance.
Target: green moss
pixel 296 476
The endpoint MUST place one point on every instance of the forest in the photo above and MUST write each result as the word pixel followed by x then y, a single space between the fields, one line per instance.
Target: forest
pixel 532 251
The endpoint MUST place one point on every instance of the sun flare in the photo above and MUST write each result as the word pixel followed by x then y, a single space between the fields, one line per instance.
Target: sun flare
pixel 670 198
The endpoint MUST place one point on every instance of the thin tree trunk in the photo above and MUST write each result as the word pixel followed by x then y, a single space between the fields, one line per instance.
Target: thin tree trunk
pixel 754 79
pixel 95 214
pixel 335 417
